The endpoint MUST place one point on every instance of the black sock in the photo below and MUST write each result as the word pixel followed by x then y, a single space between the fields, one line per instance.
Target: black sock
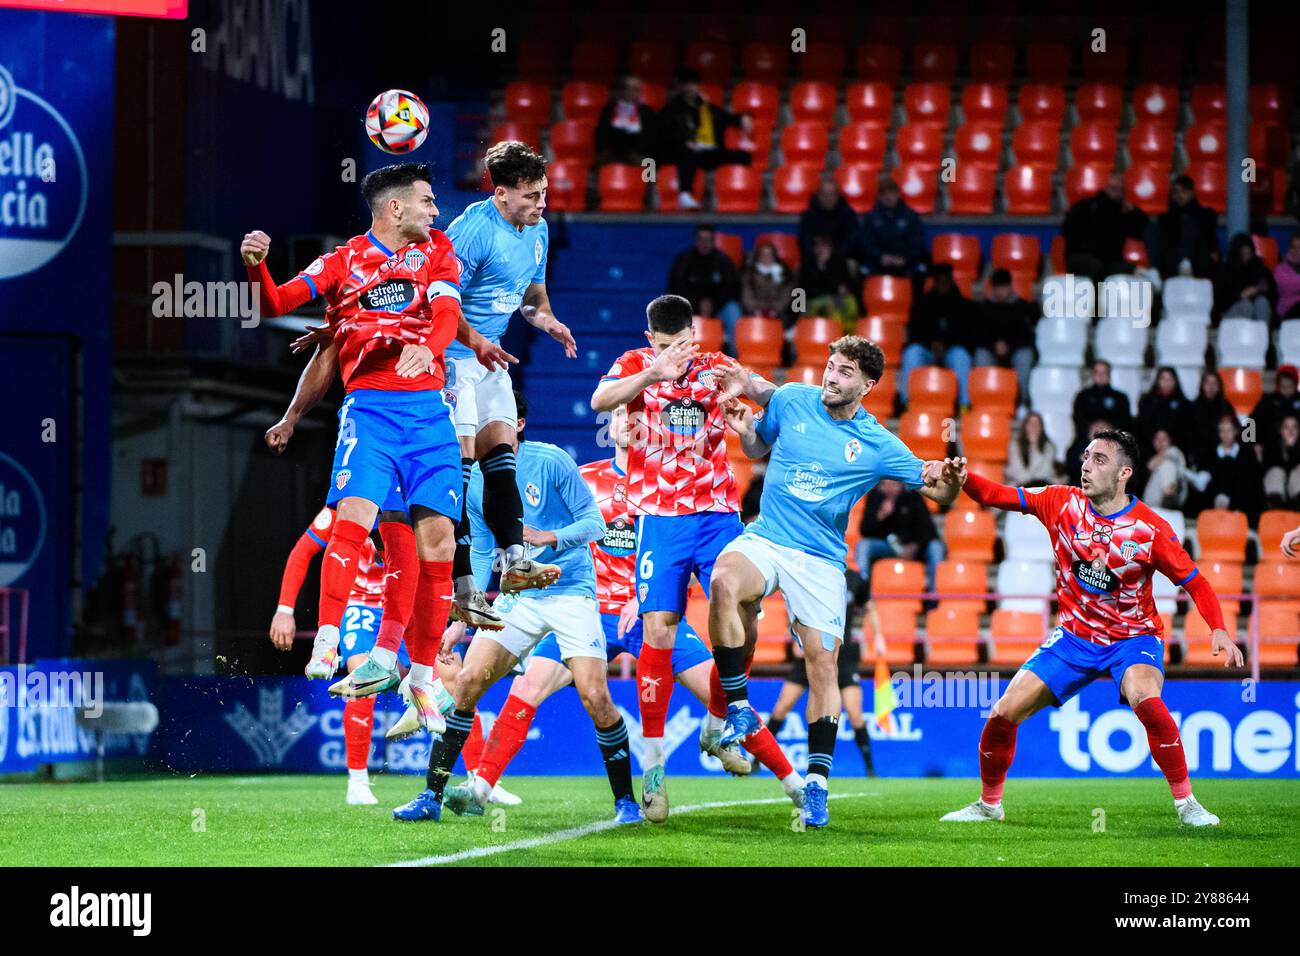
pixel 821 745
pixel 460 566
pixel 618 762
pixel 446 748
pixel 731 672
pixel 863 740
pixel 503 509
pixel 775 724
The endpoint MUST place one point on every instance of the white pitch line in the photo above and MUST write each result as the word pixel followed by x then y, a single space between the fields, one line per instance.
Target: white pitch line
pixel 574 833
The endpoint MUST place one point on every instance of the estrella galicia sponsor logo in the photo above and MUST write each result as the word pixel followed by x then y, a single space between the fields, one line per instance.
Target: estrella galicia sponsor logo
pixel 43 180
pixel 684 416
pixel 22 520
pixel 808 482
pixel 1095 577
pixel 620 538
pixel 391 296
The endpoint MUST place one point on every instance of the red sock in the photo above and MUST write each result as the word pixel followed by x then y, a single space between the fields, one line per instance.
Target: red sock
pixel 763 745
pixel 717 696
pixel 432 606
pixel 472 752
pixel 401 575
pixel 358 719
pixel 1166 744
pixel 654 675
pixel 508 734
pixel 338 570
pixel 997 750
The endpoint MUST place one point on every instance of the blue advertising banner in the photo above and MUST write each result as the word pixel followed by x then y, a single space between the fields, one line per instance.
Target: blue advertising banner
pixel 292 724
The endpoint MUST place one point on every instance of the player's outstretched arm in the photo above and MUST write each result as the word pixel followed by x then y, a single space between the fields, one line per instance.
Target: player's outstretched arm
pixel 489 354
pixel 1291 543
pixel 1171 559
pixel 536 309
pixel 736 381
pixel 313 384
pixel 283 626
pixel 740 419
pixel 273 299
pixel 943 479
pixel 992 494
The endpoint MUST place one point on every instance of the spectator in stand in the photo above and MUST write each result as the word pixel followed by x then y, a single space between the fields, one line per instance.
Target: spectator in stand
pixel 691 134
pixel 1286 276
pixel 1277 404
pixel 1101 400
pixel 1004 334
pixel 625 125
pixel 765 285
pixel 1282 466
pixel 1203 424
pixel 1031 460
pixel 824 278
pixel 828 214
pixel 1245 289
pixel 939 332
pixel 706 276
pixel 896 524
pixel 1183 239
pixel 1236 479
pixel 892 241
pixel 1165 406
pixel 1169 475
pixel 1095 229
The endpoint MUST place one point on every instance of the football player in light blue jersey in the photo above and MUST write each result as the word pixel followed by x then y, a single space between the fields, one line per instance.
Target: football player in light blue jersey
pixel 501 243
pixel 827 452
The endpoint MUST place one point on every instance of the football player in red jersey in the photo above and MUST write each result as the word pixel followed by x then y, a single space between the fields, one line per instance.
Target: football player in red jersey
pixel 1108 544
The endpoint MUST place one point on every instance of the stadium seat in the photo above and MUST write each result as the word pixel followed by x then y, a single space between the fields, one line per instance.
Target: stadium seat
pixel 1209 103
pixel 953 577
pixel 652 61
pixel 919 143
pixel 1242 387
pixel 527 133
pixel 853 533
pixel 1225 578
pixel 583 100
pixel 669 188
pixel 1221 535
pixel 805 373
pixel 1266 249
pixel 1278 627
pixel 759 340
pixel 898 628
pixel 986 436
pixel 805 142
pixel 934 62
pixel 888 295
pixel 1242 343
pixel 1025 538
pixel 1099 103
pixel 734 246
pixel 1135 253
pixel 574 139
pixel 1084 180
pixel 969 535
pixel 793 185
pixel 960 251
pixel 537 60
pixel 595 61
pixel 1061 341
pixel 1266 105
pixel 1277 583
pixel 863 142
pixel 1028 191
pixel 1120 342
pixel 527 102
pixel 992 62
pixel 952 636
pixel 879 62
pixel 984 103
pixel 923 433
pixel 1147 186
pixel 757 142
pixel 1206 142
pixel 568 185
pixel 1273 526
pixel 880 400
pixel 812 338
pixel 1042 103
pixel 736 189
pixel 1015 635
pixel 894 576
pixel 1183 295
pixel 918 185
pixel 1017 253
pixel 1180 342
pixel 992 389
pixel 1161 57
pixel 972 191
pixel 787 246
pixel 654 95
pixel 712 59
pixel 1048 62
pixel 762 101
pixel 1157 104
pixel 1066 294
pixel 932 388
pixel 708 333
pixel 812 101
pixel 871 103
pixel 1024 580
pixel 1211 181
pixel 823 62
pixel 858 181
pixel 1288 342
pixel 889 335
pixel 763 63
pixel 621 188
pixel 927 103
pixel 1092 142
pixel 978 144
pixel 1150 142
pixel 1127 297
pixel 1197 651
pixel 1037 143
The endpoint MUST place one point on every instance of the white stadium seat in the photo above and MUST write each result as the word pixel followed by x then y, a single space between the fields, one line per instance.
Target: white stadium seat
pixel 1061 341
pixel 1242 343
pixel 1025 578
pixel 1120 342
pixel 1288 343
pixel 1183 294
pixel 1180 343
pixel 1189 379
pixel 1051 394
pixel 1128 381
pixel 1026 539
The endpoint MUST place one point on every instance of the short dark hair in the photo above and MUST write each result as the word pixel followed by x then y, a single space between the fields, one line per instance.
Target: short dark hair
pixel 512 164
pixel 521 405
pixel 669 314
pixel 378 184
pixel 1124 441
pixel 1000 277
pixel 867 354
pixel 1186 182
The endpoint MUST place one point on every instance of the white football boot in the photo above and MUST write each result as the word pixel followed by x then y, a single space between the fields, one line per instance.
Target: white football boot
pixel 977 812
pixel 324 653
pixel 359 794
pixel 1192 814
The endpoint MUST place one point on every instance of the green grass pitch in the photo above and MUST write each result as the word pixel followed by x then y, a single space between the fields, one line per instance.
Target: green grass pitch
pixel 302 820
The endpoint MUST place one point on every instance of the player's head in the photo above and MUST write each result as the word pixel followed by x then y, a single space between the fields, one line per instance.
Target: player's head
pixel 1108 464
pixel 852 370
pixel 667 317
pixel 618 426
pixel 521 414
pixel 518 182
pixel 400 197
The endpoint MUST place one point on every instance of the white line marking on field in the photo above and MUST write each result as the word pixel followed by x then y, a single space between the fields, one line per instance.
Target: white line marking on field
pixel 574 833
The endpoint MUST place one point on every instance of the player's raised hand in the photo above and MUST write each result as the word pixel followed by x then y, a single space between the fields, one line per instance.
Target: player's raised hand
pixel 277 439
pixel 739 416
pixel 1220 641
pixel 255 246
pixel 283 629
pixel 1290 541
pixel 414 360
pixel 491 355
pixel 313 335
pixel 732 380
pixel 673 361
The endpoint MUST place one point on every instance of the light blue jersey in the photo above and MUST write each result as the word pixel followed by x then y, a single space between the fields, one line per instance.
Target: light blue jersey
pixel 556 498
pixel 498 263
pixel 819 469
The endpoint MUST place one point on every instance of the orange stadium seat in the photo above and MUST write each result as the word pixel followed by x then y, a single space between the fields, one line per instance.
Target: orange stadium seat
pixel 759 340
pixel 1147 186
pixel 978 144
pixel 1150 142
pixel 595 61
pixel 1042 102
pixel 733 246
pixel 1037 143
pixel 583 100
pixel 1094 143
pixel 992 62
pixel 992 389
pixel 969 535
pixel 1211 185
pixel 1278 630
pixel 652 61
pixel 669 188
pixel 712 59
pixel 1017 252
pixel 984 103
pixel 858 182
pixel 986 436
pixel 923 433
pixel 927 103
pixel 934 62
pixel 898 627
pixel 952 636
pixel 736 189
pixel 1221 535
pixel 763 62
pixel 1156 103
pixel 1048 62
pixel 893 576
pixel 1278 581
pixel 870 102
pixel 621 188
pixel 1225 578
pixel 1099 103
pixel 919 143
pixel 879 62
pixel 762 101
pixel 528 102
pixel 1135 252
pixel 1209 103
pixel 932 388
pixel 708 333
pixel 787 246
pixel 805 373
pixel 568 185
pixel 863 142
pixel 879 402
pixel 527 133
pixel 960 251
pixel 1266 104
pixel 1015 636
pixel 757 142
pixel 742 469
pixel 1084 180
pixel 823 63
pixel 793 185
pixel 918 184
pixel 812 338
pixel 1273 526
pixel 887 294
pixel 1266 249
pixel 1028 191
pixel 972 191
pixel 1206 141
pixel 805 142
pixel 889 335
pixel 574 139
pixel 961 576
pixel 813 101
pixel 1242 387
pixel 1196 639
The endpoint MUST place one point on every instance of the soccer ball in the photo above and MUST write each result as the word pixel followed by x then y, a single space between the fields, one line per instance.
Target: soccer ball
pixel 397 121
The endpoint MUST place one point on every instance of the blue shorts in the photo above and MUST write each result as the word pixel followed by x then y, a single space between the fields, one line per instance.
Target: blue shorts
pixel 669 549
pixel 358 632
pixel 688 650
pixel 402 438
pixel 1067 664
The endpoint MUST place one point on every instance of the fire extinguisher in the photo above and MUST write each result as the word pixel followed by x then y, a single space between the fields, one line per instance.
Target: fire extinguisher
pixel 130 599
pixel 172 629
